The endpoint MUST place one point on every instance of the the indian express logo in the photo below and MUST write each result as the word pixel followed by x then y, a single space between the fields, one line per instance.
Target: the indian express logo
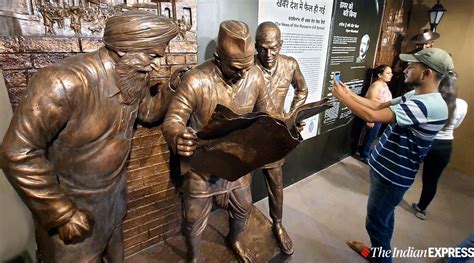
pixel 430 252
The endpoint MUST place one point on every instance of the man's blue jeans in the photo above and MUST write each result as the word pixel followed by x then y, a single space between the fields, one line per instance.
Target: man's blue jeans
pixel 370 135
pixel 466 243
pixel 383 198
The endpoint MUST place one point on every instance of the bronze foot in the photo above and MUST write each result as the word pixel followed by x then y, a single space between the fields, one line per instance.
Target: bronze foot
pixel 283 239
pixel 240 253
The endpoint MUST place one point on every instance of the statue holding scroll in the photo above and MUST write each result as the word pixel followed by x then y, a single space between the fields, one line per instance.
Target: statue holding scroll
pixel 279 71
pixel 232 80
pixel 67 144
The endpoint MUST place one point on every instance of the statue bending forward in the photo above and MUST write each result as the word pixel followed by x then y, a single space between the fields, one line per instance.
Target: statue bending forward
pixel 232 80
pixel 67 144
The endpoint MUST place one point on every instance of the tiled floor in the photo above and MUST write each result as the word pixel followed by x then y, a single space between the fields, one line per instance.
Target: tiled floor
pixel 324 210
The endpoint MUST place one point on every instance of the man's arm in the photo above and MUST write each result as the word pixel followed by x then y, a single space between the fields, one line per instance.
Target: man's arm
pixel 39 118
pixel 181 139
pixel 301 89
pixel 153 108
pixel 360 106
pixel 373 105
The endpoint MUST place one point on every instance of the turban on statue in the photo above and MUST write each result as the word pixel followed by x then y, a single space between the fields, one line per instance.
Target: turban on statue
pixel 138 31
pixel 234 41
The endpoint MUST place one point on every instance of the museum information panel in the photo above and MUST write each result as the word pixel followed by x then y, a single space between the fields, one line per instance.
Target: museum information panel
pixel 305 29
pixel 355 29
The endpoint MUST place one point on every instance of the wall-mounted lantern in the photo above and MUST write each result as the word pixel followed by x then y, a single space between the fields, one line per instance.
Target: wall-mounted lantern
pixel 435 14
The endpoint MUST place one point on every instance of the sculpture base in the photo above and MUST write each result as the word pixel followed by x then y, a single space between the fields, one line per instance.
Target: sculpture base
pixel 257 238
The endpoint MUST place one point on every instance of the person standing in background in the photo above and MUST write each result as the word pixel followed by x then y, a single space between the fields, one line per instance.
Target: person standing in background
pixel 438 157
pixel 379 92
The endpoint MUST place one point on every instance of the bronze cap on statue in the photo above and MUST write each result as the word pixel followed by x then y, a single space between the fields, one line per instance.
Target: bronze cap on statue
pixel 424 36
pixel 235 41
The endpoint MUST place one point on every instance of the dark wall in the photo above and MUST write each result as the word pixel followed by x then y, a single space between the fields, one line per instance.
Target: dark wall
pixel 309 157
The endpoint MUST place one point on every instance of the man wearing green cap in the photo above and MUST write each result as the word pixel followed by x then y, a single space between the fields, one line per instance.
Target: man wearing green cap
pixel 232 80
pixel 414 119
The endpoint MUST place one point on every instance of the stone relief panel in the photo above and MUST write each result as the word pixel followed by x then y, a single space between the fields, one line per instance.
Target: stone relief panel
pixel 85 18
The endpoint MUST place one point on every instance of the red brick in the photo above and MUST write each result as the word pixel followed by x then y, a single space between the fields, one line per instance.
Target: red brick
pixel 175 59
pixel 9 45
pixel 132 250
pixel 142 152
pixel 68 55
pixel 191 59
pixel 152 241
pixel 156 231
pixel 134 195
pixel 128 233
pixel 42 60
pixel 162 230
pixel 159 182
pixel 173 208
pixel 134 240
pixel 183 47
pixel 139 193
pixel 90 44
pixel 49 44
pixel 160 196
pixel 147 131
pixel 140 132
pixel 134 185
pixel 161 170
pixel 171 233
pixel 16 94
pixel 150 188
pixel 141 211
pixel 135 220
pixel 137 203
pixel 149 170
pixel 15 61
pixel 150 160
pixel 151 225
pixel 147 140
pixel 16 78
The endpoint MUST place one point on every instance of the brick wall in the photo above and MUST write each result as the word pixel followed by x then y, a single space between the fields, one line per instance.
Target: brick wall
pixel 154 208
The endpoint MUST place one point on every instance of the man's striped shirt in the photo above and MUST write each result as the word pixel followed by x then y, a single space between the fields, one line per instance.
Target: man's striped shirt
pixel 404 144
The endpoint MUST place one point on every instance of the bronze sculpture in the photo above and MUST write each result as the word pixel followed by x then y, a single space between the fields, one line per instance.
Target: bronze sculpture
pixel 67 144
pixel 232 80
pixel 279 71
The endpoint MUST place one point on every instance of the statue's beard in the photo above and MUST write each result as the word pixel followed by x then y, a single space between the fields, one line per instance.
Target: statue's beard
pixel 133 84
